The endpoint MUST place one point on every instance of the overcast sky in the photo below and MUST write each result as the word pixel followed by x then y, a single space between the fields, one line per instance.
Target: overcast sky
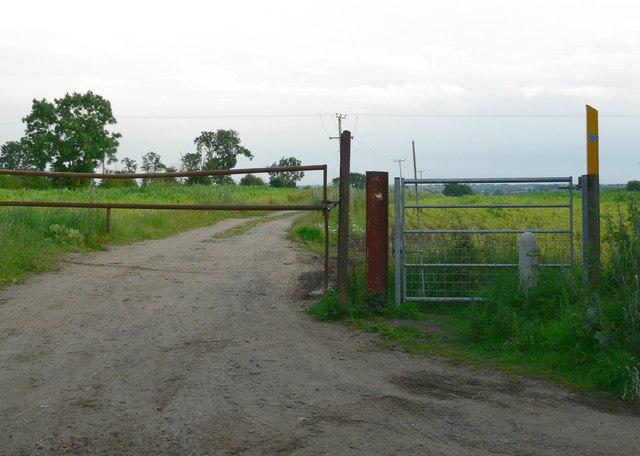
pixel 490 88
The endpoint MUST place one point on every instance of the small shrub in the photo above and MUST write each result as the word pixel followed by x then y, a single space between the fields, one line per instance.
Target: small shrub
pixel 457 189
pixel 20 182
pixel 63 235
pixel 118 183
pixel 309 233
pixel 633 186
pixel 250 180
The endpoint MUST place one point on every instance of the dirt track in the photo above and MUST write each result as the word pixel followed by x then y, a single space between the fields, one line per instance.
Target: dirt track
pixel 191 345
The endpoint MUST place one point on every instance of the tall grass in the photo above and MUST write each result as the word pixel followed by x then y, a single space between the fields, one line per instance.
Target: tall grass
pixel 33 239
pixel 589 337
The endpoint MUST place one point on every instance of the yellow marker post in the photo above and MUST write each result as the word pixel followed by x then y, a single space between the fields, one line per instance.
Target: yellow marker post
pixel 593 142
pixel 591 216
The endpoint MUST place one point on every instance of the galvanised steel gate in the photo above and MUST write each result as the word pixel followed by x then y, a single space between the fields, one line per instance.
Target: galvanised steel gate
pixel 449 249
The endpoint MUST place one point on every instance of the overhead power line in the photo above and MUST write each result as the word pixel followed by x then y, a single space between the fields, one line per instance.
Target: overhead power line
pixel 370 151
pixel 365 114
pixel 495 116
pixel 373 114
pixel 216 116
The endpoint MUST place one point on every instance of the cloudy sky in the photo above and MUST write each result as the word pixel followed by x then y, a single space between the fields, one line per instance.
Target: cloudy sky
pixel 489 88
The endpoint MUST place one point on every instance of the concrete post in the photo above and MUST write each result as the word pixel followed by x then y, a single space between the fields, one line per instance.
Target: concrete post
pixel 528 261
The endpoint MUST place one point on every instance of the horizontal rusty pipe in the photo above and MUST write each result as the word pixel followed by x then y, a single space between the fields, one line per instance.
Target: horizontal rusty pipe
pixel 209 172
pixel 193 207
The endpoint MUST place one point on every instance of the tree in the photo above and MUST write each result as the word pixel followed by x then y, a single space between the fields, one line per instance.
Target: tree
pixel 129 166
pixel 250 179
pixel 456 189
pixel 357 180
pixel 193 162
pixel 151 163
pixel 169 181
pixel 633 186
pixel 13 155
pixel 220 150
pixel 70 134
pixel 286 178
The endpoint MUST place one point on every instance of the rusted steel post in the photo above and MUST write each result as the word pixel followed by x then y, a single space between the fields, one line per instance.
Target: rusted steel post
pixel 343 218
pixel 325 213
pixel 109 221
pixel 377 238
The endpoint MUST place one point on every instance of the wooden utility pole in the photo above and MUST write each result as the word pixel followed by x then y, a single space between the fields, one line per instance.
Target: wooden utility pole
pixel 343 218
pixel 340 118
pixel 399 162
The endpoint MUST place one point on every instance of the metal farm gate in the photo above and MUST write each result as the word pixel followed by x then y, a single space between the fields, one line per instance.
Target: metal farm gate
pixel 325 205
pixel 449 250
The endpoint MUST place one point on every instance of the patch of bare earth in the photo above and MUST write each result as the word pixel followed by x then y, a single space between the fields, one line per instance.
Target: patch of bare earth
pixel 192 345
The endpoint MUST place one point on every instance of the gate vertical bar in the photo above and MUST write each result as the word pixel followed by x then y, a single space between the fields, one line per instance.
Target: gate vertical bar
pixel 571 248
pixel 377 237
pixel 403 255
pixel 397 239
pixel 343 218
pixel 325 213
pixel 421 243
pixel 584 185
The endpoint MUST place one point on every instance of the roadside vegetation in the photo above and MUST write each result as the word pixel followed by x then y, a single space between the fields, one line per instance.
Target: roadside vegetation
pixel 34 239
pixel 560 330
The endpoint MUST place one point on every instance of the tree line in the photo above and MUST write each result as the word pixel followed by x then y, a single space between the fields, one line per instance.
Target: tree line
pixel 71 134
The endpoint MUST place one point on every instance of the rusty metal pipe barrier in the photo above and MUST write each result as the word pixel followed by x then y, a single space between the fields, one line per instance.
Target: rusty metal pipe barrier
pixel 326 205
pixel 193 207
pixel 210 172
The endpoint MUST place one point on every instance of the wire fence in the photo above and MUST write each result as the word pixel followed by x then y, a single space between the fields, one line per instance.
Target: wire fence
pixel 453 251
